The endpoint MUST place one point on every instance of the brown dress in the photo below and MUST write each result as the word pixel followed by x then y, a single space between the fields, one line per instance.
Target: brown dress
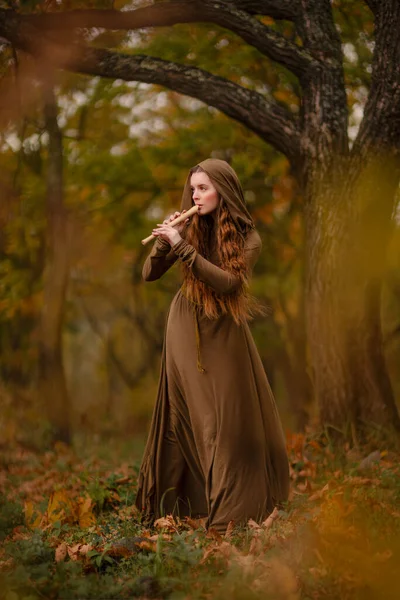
pixel 216 447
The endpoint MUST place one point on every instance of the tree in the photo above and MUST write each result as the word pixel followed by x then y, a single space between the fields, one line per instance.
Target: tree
pixel 52 381
pixel 348 191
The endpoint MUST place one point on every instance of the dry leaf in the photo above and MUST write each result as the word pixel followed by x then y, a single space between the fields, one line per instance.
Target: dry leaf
pixel 73 551
pixel 269 520
pixel 61 552
pixel 85 512
pixel 163 536
pixel 84 549
pixel 60 508
pixel 167 522
pixel 247 563
pixel 148 545
pixel 33 517
pixel 229 529
pixel 224 550
pixel 195 523
pixel 253 525
pixel 317 495
pixel 304 487
pixel 122 480
pixel 213 534
pixel 256 545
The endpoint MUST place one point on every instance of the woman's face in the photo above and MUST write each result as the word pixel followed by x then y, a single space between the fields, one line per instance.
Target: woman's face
pixel 204 194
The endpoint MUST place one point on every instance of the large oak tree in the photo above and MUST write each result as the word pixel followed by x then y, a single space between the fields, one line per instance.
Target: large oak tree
pixel 348 189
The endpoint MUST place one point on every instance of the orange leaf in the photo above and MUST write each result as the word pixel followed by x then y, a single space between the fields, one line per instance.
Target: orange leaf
pixel 167 522
pixel 61 552
pixel 253 525
pixel 269 520
pixel 229 529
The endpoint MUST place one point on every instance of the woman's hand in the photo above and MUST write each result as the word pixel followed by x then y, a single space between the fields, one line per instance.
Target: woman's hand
pixel 168 233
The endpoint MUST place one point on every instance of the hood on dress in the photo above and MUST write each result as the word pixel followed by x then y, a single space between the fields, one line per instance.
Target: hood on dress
pixel 227 184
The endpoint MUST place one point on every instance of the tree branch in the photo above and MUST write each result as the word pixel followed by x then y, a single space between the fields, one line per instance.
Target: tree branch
pixel 228 15
pixel 380 125
pixel 268 120
pixel 324 103
pixel 288 10
pixel 373 5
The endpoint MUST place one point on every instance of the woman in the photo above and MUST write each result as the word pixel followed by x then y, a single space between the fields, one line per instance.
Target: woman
pixel 216 447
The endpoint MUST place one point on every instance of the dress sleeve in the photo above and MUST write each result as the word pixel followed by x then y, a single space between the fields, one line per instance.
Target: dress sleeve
pixel 160 259
pixel 221 281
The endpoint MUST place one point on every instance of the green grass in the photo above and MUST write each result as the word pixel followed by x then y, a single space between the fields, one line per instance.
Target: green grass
pixel 337 537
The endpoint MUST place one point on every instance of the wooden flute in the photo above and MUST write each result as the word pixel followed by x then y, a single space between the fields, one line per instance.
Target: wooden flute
pixel 179 219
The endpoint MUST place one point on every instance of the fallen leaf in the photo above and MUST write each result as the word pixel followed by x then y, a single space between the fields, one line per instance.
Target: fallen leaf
pixel 167 522
pixel 256 545
pixel 229 529
pixel 269 520
pixel 33 517
pixel 305 486
pixel 317 495
pixel 85 512
pixel 253 525
pixel 61 552
pixel 213 534
pixel 195 523
pixel 122 480
pixel 148 545
pixel 73 552
pixel 60 508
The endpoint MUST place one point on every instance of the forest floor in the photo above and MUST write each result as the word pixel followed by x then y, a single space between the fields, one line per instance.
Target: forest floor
pixel 69 529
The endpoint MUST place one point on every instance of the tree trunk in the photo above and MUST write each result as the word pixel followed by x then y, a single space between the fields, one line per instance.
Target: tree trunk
pixel 348 227
pixel 52 382
pixel 349 202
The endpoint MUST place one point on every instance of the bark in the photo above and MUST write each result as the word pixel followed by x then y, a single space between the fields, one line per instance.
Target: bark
pixel 298 388
pixel 348 225
pixel 225 14
pixel 52 382
pixel 265 118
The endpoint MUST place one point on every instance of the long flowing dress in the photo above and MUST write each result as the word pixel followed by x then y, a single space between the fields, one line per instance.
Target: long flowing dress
pixel 215 448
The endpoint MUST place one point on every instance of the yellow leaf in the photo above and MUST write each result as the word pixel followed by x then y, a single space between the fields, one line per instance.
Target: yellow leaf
pixel 33 517
pixel 85 512
pixel 60 508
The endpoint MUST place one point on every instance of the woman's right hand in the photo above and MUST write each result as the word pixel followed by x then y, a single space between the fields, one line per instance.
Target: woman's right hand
pixel 179 227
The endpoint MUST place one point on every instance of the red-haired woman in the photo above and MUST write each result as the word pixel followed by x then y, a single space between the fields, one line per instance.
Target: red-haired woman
pixel 216 448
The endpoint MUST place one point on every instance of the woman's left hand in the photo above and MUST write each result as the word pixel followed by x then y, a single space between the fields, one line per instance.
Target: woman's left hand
pixel 166 232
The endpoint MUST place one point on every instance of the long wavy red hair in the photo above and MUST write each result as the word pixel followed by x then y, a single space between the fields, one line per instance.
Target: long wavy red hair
pixel 240 304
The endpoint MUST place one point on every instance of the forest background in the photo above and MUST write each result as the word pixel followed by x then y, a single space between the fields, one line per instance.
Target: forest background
pixel 104 106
